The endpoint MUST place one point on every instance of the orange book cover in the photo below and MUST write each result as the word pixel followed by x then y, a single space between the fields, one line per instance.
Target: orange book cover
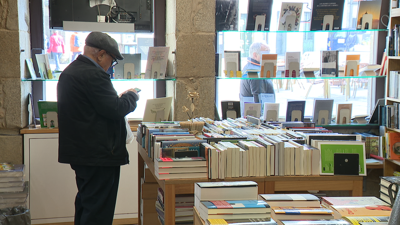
pixel 268 59
pixel 362 210
pixel 394 145
pixel 352 65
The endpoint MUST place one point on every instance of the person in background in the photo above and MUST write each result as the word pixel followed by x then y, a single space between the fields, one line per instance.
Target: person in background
pixel 56 48
pixel 92 128
pixel 75 45
pixel 254 87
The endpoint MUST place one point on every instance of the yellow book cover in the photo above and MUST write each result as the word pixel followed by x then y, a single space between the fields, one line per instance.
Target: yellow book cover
pixel 216 221
pixel 356 219
pixel 362 210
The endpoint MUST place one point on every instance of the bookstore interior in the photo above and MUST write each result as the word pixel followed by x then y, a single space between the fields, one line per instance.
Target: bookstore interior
pixel 306 128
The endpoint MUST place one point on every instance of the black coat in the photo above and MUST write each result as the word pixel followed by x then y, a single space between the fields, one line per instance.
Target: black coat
pixel 92 128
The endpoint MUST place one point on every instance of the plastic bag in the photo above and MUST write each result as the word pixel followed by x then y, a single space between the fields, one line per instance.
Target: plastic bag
pixel 129 133
pixel 15 216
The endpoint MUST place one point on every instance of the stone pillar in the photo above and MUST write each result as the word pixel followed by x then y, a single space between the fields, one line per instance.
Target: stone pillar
pixel 190 34
pixel 15 48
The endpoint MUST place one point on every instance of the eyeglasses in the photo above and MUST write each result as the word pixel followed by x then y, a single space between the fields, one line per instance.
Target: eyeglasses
pixel 114 62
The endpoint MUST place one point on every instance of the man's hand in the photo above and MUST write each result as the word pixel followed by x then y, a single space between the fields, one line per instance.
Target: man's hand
pixel 130 89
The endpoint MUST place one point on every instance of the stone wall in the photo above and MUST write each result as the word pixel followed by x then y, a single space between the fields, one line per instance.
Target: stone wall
pixel 15 48
pixel 190 33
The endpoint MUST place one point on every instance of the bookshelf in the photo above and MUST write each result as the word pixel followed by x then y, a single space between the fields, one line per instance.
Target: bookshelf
pixel 266 185
pixel 390 166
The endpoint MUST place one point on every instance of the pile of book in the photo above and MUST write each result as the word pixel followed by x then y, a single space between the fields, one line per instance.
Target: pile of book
pixel 358 209
pixel 183 208
pixel 13 189
pixel 230 202
pixel 296 207
pixel 387 182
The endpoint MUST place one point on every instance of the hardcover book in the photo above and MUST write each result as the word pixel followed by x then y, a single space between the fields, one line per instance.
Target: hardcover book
pixel 48 112
pixel 352 65
pixel 129 68
pixel 232 63
pixel 208 191
pixel 352 201
pixel 343 115
pixel 394 145
pixel 156 66
pixel 340 211
pixel 31 69
pixel 157 109
pixel 327 15
pixel 226 15
pixel 329 148
pixel 295 111
pixel 323 111
pixel 268 65
pixel 369 15
pixel 259 15
pixel 290 16
pixel 292 64
pixel 329 64
pixel 291 200
pixel 230 109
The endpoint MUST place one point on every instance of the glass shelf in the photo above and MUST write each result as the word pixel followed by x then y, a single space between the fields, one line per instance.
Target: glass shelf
pixel 300 31
pixel 348 125
pixel 171 79
pixel 295 78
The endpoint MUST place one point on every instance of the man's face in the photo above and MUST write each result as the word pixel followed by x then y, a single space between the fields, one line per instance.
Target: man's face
pixel 263 49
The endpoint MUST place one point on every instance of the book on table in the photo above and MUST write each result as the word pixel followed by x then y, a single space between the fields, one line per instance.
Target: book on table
pixel 340 211
pixel 294 200
pixel 221 207
pixel 361 219
pixel 298 213
pixel 208 191
pixel 351 201
pixel 241 221
pixel 8 170
pixel 316 222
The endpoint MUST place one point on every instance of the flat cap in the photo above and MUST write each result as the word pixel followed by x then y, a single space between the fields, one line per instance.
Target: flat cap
pixel 103 41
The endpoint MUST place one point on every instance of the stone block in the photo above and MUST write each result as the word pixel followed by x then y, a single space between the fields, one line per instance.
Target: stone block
pixel 9 15
pixel 195 55
pixel 204 106
pixel 10 54
pixel 13 103
pixel 194 16
pixel 11 149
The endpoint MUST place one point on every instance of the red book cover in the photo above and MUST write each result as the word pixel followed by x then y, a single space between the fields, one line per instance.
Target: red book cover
pixel 394 145
pixel 222 204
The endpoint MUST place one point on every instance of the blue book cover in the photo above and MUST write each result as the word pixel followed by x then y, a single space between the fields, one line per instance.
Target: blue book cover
pixel 182 143
pixel 242 204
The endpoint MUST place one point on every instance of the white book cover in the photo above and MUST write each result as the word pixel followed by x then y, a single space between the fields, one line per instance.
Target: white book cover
pixel 292 64
pixel 156 66
pixel 290 16
pixel 252 109
pixel 271 112
pixel 232 63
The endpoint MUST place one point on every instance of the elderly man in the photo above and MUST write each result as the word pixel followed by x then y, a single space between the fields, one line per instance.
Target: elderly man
pixel 92 129
pixel 254 87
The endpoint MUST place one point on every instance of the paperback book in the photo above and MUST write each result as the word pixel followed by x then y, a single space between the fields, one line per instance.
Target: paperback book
pixel 369 15
pixel 329 64
pixel 259 15
pixel 230 109
pixel 232 63
pixel 268 65
pixel 48 113
pixel 352 65
pixel 343 115
pixel 156 66
pixel 290 16
pixel 129 68
pixel 327 15
pixel 292 64
pixel 295 110
pixel 323 111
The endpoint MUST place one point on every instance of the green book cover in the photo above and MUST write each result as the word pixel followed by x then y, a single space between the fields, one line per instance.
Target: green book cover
pixel 48 114
pixel 329 148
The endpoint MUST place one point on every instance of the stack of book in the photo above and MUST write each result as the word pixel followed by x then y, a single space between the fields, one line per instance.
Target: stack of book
pixel 394 181
pixel 219 202
pixel 13 189
pixel 295 207
pixel 356 206
pixel 178 168
pixel 183 208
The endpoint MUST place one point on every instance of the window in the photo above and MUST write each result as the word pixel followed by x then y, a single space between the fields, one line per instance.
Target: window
pixel 309 44
pixel 129 43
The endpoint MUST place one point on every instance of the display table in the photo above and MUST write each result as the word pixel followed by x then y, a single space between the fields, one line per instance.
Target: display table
pixel 266 185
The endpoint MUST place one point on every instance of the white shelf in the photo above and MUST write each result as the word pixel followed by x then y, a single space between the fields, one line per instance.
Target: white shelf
pixel 395 12
pixel 394 57
pixel 393 99
pixel 95 26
